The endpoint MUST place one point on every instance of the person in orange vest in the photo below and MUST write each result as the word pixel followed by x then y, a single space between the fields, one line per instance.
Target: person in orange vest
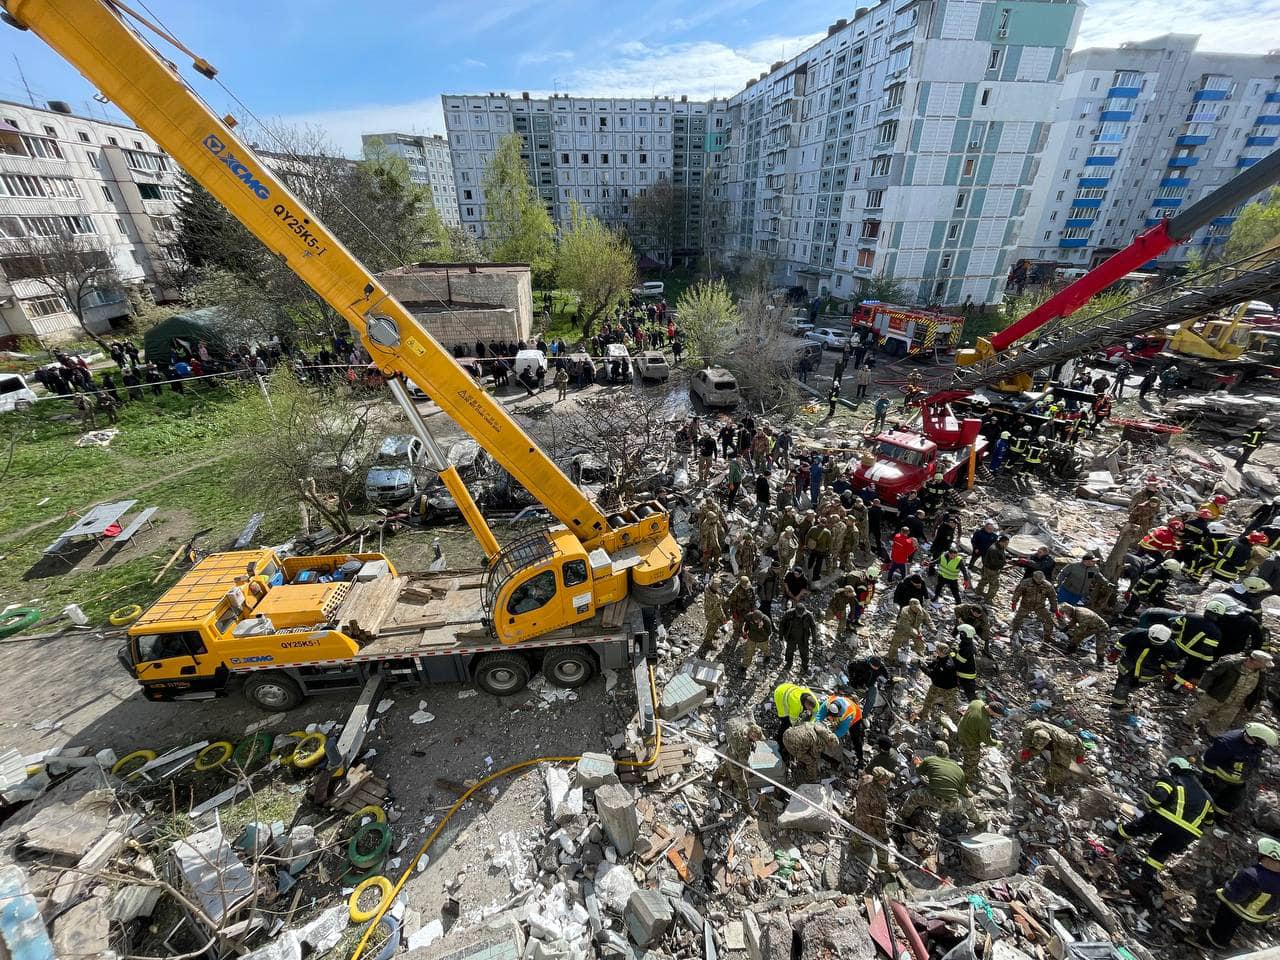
pixel 846 714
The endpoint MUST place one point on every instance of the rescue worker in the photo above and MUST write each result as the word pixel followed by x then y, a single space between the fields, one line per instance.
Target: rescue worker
pixel 944 790
pixel 1235 556
pixel 934 493
pixel 864 586
pixel 1066 754
pixel 973 732
pixel 798 629
pixel 839 533
pixel 845 715
pixel 1195 532
pixel 742 600
pixel 1251 441
pixel 1034 598
pixel 793 704
pixel 843 607
pixel 994 559
pixel 786 547
pixel 759 631
pixel 1251 896
pixel 804 743
pixel 1075 582
pixel 1239 625
pixel 1215 505
pixel 1230 690
pixel 999 452
pixel 712 531
pixel 747 554
pixel 859 533
pixel 1160 542
pixel 965 657
pixel 871 816
pixel 913 620
pixel 1214 545
pixel 1151 586
pixel 714 611
pixel 740 742
pixel 1144 653
pixel 1229 760
pixel 1018 451
pixel 941 670
pixel 976 616
pixel 1179 809
pixel 950 567
pixel 1081 624
pixel 1198 638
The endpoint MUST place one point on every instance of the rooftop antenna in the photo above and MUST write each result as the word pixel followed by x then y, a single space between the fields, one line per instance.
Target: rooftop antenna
pixel 25 86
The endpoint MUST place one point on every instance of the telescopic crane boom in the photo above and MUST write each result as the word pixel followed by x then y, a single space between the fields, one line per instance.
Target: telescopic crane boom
pixel 553 579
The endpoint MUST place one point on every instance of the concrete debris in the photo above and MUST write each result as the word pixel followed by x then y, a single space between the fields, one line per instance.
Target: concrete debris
pixel 810 809
pixel 595 770
pixel 426 935
pixel 681 696
pixel 986 856
pixel 839 933
pixel 84 930
pixel 648 916
pixel 616 808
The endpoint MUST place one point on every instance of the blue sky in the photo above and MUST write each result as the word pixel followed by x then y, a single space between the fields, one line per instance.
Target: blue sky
pixel 374 66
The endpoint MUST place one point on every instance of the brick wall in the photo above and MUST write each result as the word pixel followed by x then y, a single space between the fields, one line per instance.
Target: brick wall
pixel 467 326
pixel 440 297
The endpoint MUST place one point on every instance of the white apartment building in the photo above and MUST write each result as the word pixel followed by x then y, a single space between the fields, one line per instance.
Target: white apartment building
pixel 1141 131
pixel 600 153
pixel 430 164
pixel 905 142
pixel 63 172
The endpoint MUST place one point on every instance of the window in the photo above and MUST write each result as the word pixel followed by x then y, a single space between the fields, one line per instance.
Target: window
pixel 471 211
pixel 150 162
pixel 866 258
pixel 940 288
pixel 574 572
pixel 1093 84
pixel 44 306
pixel 604 157
pixel 167 646
pixel 953 231
pixel 644 158
pixel 113 141
pixel 986 96
pixel 60 188
pixel 107 195
pixel 10 228
pixel 42 148
pixel 870 229
pixel 894 97
pixel 604 122
pixel 17 185
pixel 150 191
pixel 534 593
pixel 584 158
pixel 1053 216
pixel 970 164
pixel 120 228
pixel 880 167
pixel 961 197
pixel 994 62
pixel 564 158
pixel 57 226
pixel 137 144
pixel 84 137
pixel 466 195
pixel 875 199
pixel 163 224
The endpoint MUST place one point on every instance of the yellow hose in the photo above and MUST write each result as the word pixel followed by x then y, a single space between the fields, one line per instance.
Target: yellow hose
pixel 390 898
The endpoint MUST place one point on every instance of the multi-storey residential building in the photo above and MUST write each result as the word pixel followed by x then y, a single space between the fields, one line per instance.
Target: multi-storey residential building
pixel 430 165
pixel 905 142
pixel 599 153
pixel 66 174
pixel 1141 131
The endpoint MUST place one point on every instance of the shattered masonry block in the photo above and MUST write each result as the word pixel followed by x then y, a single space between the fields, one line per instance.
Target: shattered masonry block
pixel 800 815
pixel 595 770
pixel 501 937
pixel 682 695
pixel 839 933
pixel 648 916
pixel 989 856
pixel 768 936
pixel 617 811
pixel 766 759
pixel 705 673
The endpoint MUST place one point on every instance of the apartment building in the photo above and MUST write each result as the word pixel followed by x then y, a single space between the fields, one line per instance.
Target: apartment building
pixel 63 173
pixel 430 164
pixel 599 153
pixel 905 142
pixel 1141 131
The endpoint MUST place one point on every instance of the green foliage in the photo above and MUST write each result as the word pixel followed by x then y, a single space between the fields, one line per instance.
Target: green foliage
pixel 1257 226
pixel 887 289
pixel 598 263
pixel 708 316
pixel 519 228
pixel 657 216
pixel 407 222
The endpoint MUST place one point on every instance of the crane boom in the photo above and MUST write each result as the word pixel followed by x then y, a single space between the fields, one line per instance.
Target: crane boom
pixel 93 36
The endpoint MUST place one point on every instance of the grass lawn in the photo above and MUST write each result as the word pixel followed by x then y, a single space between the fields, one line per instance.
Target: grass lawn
pixel 564 303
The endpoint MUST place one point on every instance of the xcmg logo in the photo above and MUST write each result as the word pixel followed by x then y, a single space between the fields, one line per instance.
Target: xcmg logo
pixel 219 150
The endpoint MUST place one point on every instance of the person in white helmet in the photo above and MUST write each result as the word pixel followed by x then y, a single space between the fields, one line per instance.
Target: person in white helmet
pixel 1144 654
pixel 1216 543
pixel 1149 589
pixel 1231 759
pixel 1251 896
pixel 1252 441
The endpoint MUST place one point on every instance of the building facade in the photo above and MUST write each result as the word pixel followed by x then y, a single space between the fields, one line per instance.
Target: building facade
pixel 107 184
pixel 1141 131
pixel 904 143
pixel 598 153
pixel 430 165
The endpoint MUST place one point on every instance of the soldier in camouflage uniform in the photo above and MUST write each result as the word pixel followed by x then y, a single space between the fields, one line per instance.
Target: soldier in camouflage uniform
pixel 805 743
pixel 711 530
pixel 945 790
pixel 742 736
pixel 1081 623
pixel 973 732
pixel 1065 751
pixel 788 544
pixel 1144 514
pixel 759 632
pixel 843 607
pixel 913 620
pixel 839 533
pixel 748 555
pixel 742 600
pixel 1034 597
pixel 713 610
pixel 871 816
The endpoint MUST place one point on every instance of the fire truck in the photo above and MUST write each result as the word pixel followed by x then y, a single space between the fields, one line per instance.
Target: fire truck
pixel 908 331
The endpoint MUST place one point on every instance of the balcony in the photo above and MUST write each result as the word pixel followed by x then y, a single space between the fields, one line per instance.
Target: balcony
pixel 1167 202
pixel 1267 120
pixel 1175 182
pixel 1242 162
pixel 1127 92
pixel 1087 202
pixel 1260 141
pixel 1209 95
pixel 1078 222
pixel 1189 141
pixel 1154 221
pixel 1272 97
pixel 1182 162
pixel 1100 161
pixel 1078 242
pixel 1117 115
pixel 1222 221
pixel 1093 181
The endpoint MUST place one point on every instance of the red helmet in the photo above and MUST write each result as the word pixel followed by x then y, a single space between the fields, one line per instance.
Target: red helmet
pixel 1176 525
pixel 1257 537
pixel 1220 499
pixel 1205 514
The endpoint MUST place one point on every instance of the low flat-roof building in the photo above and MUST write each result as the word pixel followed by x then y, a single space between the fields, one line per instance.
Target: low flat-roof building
pixel 460 303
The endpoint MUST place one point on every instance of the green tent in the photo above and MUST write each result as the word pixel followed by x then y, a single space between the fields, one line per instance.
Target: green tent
pixel 188 329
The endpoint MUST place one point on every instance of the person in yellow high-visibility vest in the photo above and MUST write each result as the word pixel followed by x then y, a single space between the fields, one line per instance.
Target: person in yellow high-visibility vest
pixel 950 568
pixel 793 703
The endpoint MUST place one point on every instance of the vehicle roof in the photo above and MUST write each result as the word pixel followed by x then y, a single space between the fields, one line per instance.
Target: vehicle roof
pixel 531 353
pixel 395 446
pixel 200 590
pixel 617 349
pixel 654 355
pixel 900 438
pixel 720 373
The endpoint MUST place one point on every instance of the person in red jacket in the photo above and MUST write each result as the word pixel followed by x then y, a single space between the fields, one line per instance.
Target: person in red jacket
pixel 900 554
pixel 1161 542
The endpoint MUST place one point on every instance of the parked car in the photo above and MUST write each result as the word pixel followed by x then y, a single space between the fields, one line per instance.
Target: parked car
pixel 14 392
pixel 796 350
pixel 394 476
pixel 652 365
pixel 797 326
pixel 715 387
pixel 474 466
pixel 829 338
pixel 651 288
pixel 617 363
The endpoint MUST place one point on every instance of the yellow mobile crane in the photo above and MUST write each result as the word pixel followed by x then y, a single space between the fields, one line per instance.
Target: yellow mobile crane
pixel 564 587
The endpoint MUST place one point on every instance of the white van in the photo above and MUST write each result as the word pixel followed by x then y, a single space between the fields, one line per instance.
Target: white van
pixel 532 362
pixel 14 392
pixel 715 387
pixel 617 363
pixel 650 288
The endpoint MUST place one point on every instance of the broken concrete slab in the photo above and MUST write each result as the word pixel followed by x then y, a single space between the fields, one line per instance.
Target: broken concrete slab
pixel 324 932
pixel 284 947
pixel 768 935
pixel 705 673
pixel 84 930
pixel 564 802
pixel 811 810
pixel 501 937
pixel 214 872
pixel 838 933
pixel 614 885
pixel 766 761
pixel 987 856
pixel 1083 890
pixel 617 811
pixel 137 900
pixel 595 770
pixel 680 697
pixel 648 916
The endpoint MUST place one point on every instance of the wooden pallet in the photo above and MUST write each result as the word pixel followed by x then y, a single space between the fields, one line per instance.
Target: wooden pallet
pixel 673 759
pixel 359 788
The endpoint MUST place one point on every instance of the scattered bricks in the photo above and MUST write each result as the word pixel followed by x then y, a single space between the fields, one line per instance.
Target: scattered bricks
pixel 813 816
pixel 766 760
pixel 681 696
pixel 617 811
pixel 988 856
pixel 595 770
pixel 838 933
pixel 705 673
pixel 768 936
pixel 648 916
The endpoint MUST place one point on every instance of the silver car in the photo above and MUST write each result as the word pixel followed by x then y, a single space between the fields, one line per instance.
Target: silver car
pixel 393 478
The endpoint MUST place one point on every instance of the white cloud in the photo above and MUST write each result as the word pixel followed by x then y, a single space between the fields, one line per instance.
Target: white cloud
pixel 345 126
pixel 535 57
pixel 1224 26
pixel 473 63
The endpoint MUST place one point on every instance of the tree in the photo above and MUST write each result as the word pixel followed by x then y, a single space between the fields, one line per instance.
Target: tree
pixel 73 266
pixel 762 358
pixel 886 289
pixel 598 263
pixel 1257 226
pixel 708 318
pixel 463 246
pixel 630 432
pixel 657 216
pixel 519 228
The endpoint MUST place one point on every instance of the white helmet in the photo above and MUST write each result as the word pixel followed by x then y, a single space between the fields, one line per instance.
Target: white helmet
pixel 1159 633
pixel 1172 565
pixel 967 630
pixel 1256 585
pixel 1216 606
pixel 1269 848
pixel 1260 731
pixel 1217 527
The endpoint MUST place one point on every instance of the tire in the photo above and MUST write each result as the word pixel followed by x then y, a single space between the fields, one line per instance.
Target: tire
pixel 127 767
pixel 125 615
pixel 17 620
pixel 360 914
pixel 502 674
pixel 214 755
pixel 656 594
pixel 273 691
pixel 382 841
pixel 569 667
pixel 253 751
pixel 308 751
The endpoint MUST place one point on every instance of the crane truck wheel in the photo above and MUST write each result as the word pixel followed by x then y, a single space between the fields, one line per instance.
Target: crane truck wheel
pixel 273 691
pixel 656 594
pixel 569 667
pixel 502 674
